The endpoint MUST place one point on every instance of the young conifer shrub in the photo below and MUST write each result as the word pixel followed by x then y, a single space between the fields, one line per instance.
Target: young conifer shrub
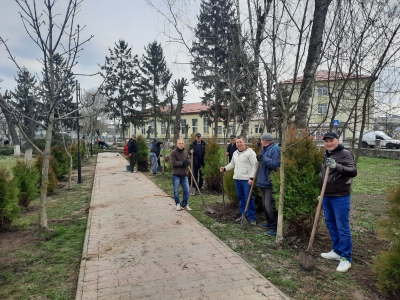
pixel 387 264
pixel 211 173
pixel 142 155
pixel 60 162
pixel 9 208
pixel 302 168
pixel 229 188
pixel 27 180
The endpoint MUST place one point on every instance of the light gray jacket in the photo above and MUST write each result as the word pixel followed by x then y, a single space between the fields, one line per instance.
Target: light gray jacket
pixel 244 164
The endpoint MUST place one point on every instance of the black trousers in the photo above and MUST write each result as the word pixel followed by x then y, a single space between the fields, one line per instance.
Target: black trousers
pixel 198 174
pixel 270 211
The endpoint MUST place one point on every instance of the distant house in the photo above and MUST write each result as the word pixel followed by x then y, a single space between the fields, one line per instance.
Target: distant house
pixel 191 123
pixel 328 88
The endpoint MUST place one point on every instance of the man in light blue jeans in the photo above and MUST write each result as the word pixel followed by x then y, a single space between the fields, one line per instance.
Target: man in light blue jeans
pixel 180 162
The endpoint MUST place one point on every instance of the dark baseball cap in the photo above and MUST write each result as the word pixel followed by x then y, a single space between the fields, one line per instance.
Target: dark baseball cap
pixel 330 135
pixel 198 134
pixel 233 136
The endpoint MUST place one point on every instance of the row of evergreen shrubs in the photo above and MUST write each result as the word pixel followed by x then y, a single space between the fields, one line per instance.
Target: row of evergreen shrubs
pixel 22 185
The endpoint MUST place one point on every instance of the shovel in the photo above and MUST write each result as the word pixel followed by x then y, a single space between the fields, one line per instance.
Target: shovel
pixel 223 194
pixel 192 189
pixel 306 261
pixel 243 221
pixel 209 209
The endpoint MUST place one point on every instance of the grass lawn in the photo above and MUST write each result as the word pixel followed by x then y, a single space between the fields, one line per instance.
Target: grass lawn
pixel 38 264
pixel 7 161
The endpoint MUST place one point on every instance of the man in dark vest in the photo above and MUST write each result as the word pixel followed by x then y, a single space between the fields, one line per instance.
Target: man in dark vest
pixel 198 150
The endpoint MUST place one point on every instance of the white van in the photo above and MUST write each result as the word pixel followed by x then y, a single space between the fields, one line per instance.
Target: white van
pixel 369 138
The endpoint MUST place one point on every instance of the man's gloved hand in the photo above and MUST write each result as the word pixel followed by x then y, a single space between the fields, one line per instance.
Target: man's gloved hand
pixel 259 157
pixel 330 162
pixel 186 162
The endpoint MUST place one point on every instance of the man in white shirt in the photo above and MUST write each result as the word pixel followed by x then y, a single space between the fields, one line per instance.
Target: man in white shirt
pixel 244 163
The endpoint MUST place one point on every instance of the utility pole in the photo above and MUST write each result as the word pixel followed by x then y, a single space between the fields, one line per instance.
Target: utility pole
pixel 78 91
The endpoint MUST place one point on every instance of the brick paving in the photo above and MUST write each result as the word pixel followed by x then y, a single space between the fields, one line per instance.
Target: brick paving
pixel 137 246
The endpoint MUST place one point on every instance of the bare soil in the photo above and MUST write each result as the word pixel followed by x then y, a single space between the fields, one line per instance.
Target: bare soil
pixel 366 244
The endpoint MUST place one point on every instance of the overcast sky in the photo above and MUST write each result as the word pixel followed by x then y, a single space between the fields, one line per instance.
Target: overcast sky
pixel 108 20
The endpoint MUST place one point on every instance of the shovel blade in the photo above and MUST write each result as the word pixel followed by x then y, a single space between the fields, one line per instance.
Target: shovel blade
pixel 192 191
pixel 307 262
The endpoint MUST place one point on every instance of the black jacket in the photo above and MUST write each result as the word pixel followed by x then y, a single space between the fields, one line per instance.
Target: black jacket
pixel 132 146
pixel 339 179
pixel 199 152
pixel 231 149
pixel 156 148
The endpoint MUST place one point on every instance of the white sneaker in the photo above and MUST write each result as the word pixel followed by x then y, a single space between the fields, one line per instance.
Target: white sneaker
pixel 178 207
pixel 344 265
pixel 186 207
pixel 331 255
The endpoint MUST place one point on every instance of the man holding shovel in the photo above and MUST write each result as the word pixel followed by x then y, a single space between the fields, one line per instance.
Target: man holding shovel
pixel 180 162
pixel 244 164
pixel 336 200
pixel 270 160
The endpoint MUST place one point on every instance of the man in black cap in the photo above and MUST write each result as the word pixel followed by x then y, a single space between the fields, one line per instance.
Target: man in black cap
pixel 231 147
pixel 336 202
pixel 198 150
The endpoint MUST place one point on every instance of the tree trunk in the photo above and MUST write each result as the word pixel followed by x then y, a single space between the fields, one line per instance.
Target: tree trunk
pixel 279 230
pixel 313 58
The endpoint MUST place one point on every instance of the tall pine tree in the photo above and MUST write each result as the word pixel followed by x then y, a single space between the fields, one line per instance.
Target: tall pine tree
pixel 64 84
pixel 211 53
pixel 121 79
pixel 25 103
pixel 155 80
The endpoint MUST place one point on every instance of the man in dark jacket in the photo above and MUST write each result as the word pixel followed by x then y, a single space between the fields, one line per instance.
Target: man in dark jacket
pixel 198 150
pixel 155 151
pixel 336 202
pixel 270 160
pixel 132 150
pixel 180 162
pixel 231 147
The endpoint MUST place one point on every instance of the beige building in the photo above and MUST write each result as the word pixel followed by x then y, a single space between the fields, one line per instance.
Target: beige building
pixel 191 123
pixel 328 88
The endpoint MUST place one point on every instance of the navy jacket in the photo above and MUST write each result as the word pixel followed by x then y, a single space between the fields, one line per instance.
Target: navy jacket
pixel 270 162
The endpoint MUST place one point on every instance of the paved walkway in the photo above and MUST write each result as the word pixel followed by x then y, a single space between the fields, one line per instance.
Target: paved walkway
pixel 137 246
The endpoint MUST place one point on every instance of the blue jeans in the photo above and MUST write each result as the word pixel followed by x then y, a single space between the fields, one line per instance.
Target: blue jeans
pixel 176 180
pixel 337 211
pixel 154 164
pixel 242 191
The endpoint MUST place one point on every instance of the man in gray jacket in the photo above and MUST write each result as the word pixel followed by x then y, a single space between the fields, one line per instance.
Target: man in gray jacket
pixel 244 163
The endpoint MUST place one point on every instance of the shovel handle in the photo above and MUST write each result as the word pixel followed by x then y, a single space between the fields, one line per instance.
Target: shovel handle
pixel 251 189
pixel 318 212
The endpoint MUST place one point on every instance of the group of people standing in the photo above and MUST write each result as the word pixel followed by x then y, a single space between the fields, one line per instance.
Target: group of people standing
pixel 244 161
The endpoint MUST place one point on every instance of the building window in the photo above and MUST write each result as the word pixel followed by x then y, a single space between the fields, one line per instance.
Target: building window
pixel 162 127
pixel 143 130
pixel 194 126
pixel 322 91
pixel 183 126
pixel 258 128
pixel 322 108
pixel 219 129
pixel 230 130
pixel 206 128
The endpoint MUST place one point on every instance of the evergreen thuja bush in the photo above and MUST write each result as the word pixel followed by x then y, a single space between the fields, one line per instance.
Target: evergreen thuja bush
pixel 211 173
pixel 142 155
pixel 302 167
pixel 9 208
pixel 387 264
pixel 229 188
pixel 27 180
pixel 60 161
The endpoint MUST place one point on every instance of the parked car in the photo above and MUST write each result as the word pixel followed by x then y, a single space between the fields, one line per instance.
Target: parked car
pixel 369 138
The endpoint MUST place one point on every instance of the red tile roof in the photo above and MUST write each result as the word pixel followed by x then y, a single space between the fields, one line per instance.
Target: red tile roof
pixel 324 75
pixel 190 108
